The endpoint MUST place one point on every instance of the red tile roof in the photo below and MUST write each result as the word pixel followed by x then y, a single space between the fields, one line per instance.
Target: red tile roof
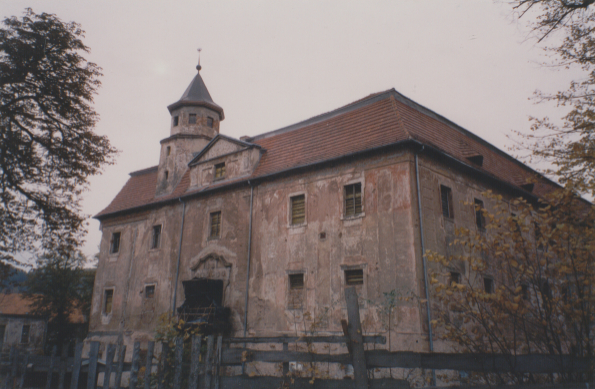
pixel 380 119
pixel 18 304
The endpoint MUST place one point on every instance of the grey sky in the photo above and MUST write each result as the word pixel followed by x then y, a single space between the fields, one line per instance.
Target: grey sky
pixel 274 63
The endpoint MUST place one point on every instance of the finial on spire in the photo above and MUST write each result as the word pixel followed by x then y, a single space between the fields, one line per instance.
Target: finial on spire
pixel 198 67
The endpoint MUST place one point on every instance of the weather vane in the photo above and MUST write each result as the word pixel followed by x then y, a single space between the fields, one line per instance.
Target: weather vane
pixel 198 67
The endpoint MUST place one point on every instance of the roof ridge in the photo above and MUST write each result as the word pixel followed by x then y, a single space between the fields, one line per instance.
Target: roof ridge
pixel 144 171
pixel 398 115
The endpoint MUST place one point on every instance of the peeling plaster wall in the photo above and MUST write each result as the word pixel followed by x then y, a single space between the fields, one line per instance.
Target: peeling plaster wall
pixel 14 329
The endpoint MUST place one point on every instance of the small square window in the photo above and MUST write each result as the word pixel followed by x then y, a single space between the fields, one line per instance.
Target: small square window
pixel 298 209
pixel 220 171
pixel 25 332
pixel 176 121
pixel 192 118
pixel 296 291
pixel 155 240
pixel 210 122
pixel 354 277
pixel 480 220
pixel 488 285
pixel 149 291
pixel 115 243
pixel 353 199
pixel 455 277
pixel 215 225
pixel 108 299
pixel 446 199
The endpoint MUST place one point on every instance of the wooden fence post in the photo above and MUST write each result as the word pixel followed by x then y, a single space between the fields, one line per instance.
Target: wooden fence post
pixel 63 365
pixel 10 377
pixel 218 360
pixel 163 365
pixel 135 365
pixel 76 366
pixel 285 364
pixel 25 362
pixel 48 382
pixel 149 364
pixel 208 362
pixel 179 353
pixel 109 362
pixel 354 327
pixel 120 368
pixel 194 362
pixel 93 355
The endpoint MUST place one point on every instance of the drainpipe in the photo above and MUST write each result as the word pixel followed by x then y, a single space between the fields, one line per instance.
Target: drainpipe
pixel 425 265
pixel 173 309
pixel 248 267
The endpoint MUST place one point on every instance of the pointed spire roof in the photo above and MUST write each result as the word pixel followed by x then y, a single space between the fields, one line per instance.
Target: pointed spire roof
pixel 197 94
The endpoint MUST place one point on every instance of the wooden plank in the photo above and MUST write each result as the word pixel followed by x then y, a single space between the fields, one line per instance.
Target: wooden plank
pixel 378 339
pixel 360 371
pixel 120 368
pixel 306 383
pixel 135 365
pixel 218 361
pixel 15 366
pixel 285 364
pixel 209 362
pixel 76 365
pixel 11 358
pixel 178 355
pixel 109 362
pixel 163 365
pixel 235 356
pixel 24 371
pixel 93 356
pixel 194 362
pixel 149 364
pixel 63 366
pixel 345 328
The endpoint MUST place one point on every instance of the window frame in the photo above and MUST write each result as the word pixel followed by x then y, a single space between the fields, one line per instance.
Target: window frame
pixel 210 122
pixel 147 287
pixel 176 121
pixel 156 237
pixel 217 233
pixel 346 213
pixel 296 293
pixel 480 220
pixel 219 171
pixel 112 245
pixel 293 203
pixel 27 334
pixel 192 116
pixel 454 276
pixel 353 271
pixel 446 194
pixel 489 281
pixel 104 305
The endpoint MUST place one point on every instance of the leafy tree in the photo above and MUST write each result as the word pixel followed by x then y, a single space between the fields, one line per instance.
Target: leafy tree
pixel 47 145
pixel 530 284
pixel 59 289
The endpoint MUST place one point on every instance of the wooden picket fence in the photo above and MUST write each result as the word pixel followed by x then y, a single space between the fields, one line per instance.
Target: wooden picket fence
pixel 210 362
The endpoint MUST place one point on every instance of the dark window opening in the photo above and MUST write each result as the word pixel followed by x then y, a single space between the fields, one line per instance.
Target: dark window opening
pixel 446 199
pixel 25 332
pixel 149 291
pixel 353 199
pixel 296 291
pixel 2 333
pixel 298 209
pixel 323 235
pixel 115 243
pixel 545 289
pixel 215 225
pixel 176 121
pixel 166 175
pixel 476 160
pixel 168 150
pixel 220 171
pixel 480 220
pixel 354 277
pixel 156 237
pixel 455 277
pixel 488 285
pixel 108 299
pixel 210 122
pixel 192 118
pixel 528 187
pixel 538 236
pixel 203 306
pixel 525 291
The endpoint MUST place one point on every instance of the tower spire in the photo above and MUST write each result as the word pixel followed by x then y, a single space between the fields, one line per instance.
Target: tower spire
pixel 198 67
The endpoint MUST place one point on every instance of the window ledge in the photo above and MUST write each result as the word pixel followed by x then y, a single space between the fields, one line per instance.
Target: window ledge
pixel 353 217
pixel 212 238
pixel 297 228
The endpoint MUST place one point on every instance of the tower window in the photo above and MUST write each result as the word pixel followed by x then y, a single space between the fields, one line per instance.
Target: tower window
pixel 115 243
pixel 446 199
pixel 108 299
pixel 156 237
pixel 210 122
pixel 166 174
pixel 215 225
pixel 298 209
pixel 480 220
pixel 176 121
pixel 353 199
pixel 354 277
pixel 168 150
pixel 220 171
pixel 149 291
pixel 192 118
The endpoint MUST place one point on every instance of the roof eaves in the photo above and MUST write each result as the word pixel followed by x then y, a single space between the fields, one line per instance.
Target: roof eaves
pixel 195 159
pixel 148 170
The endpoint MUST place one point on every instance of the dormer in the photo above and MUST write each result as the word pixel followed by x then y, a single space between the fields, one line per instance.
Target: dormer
pixel 195 119
pixel 223 159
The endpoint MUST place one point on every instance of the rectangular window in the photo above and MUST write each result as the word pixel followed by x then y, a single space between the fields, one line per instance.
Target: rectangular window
pixel 446 199
pixel 2 333
pixel 25 332
pixel 298 209
pixel 210 122
pixel 149 291
pixel 108 299
pixel 219 171
pixel 115 243
pixel 296 291
pixel 455 277
pixel 488 285
pixel 168 150
pixel 215 225
pixel 176 121
pixel 353 199
pixel 480 220
pixel 192 118
pixel 525 291
pixel 156 237
pixel 354 277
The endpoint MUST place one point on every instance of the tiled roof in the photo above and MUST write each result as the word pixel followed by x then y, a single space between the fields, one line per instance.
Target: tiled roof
pixel 381 119
pixel 18 304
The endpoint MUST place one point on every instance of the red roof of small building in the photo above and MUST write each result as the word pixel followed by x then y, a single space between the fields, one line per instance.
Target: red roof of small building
pixel 18 304
pixel 381 119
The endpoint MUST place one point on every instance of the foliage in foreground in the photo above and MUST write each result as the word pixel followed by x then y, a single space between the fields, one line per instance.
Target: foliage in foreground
pixel 539 262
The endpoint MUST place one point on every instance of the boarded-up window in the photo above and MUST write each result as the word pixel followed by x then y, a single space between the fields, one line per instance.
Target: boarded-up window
pixel 354 277
pixel 215 225
pixel 298 209
pixel 115 243
pixel 149 291
pixel 192 118
pixel 353 199
pixel 156 238
pixel 25 332
pixel 108 299
pixel 219 171
pixel 480 220
pixel 296 291
pixel 446 199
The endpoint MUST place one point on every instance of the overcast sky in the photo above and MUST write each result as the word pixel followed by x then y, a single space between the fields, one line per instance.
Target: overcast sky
pixel 274 63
